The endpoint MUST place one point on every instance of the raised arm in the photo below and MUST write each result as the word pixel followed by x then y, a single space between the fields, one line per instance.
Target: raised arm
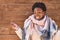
pixel 17 29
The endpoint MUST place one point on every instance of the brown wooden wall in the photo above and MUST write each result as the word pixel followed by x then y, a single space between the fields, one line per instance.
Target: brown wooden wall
pixel 18 11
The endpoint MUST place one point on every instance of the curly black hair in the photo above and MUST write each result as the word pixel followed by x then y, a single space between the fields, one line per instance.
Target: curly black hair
pixel 39 5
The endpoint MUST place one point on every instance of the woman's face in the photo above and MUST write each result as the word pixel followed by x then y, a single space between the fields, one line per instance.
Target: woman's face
pixel 38 13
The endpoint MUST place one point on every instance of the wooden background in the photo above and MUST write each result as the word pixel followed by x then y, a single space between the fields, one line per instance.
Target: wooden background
pixel 18 10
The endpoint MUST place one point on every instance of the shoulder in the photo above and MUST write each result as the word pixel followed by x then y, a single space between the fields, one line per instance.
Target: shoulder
pixel 26 23
pixel 53 22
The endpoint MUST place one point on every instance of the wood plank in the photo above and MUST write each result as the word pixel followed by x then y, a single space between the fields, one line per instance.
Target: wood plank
pixel 9 37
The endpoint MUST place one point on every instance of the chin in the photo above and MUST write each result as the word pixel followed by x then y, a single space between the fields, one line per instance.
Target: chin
pixel 39 18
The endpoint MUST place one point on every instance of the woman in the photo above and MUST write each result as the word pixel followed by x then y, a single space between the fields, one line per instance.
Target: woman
pixel 38 26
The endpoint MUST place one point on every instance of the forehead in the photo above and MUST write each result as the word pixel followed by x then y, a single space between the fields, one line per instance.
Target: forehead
pixel 38 9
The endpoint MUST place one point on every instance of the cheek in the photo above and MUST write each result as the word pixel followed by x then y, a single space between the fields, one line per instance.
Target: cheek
pixel 38 14
pixel 41 14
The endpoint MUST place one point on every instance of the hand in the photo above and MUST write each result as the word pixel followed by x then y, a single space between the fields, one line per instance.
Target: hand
pixel 14 26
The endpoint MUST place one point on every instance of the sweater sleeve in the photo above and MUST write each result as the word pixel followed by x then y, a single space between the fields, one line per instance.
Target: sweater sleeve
pixel 26 26
pixel 19 32
pixel 53 27
pixel 22 33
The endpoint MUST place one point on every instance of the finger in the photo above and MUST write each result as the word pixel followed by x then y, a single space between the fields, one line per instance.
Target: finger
pixel 12 23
